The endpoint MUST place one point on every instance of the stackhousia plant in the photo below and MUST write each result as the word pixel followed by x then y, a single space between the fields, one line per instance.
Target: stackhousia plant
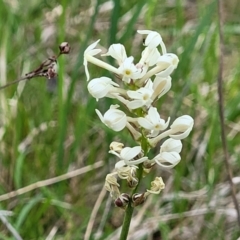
pixel 137 86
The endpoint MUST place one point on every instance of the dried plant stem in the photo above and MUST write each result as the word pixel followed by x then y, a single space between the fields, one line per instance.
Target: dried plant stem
pixel 50 181
pixel 13 82
pixel 221 111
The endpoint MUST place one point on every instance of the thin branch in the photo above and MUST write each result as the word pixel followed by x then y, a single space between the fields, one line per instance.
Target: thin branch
pixel 10 227
pixel 50 181
pixel 94 214
pixel 221 111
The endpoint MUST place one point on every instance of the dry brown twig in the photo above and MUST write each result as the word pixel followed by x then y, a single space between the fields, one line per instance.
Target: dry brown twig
pixel 47 68
pixel 50 181
pixel 221 111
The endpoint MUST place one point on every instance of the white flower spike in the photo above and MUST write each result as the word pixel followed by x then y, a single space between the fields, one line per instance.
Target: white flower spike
pixel 131 84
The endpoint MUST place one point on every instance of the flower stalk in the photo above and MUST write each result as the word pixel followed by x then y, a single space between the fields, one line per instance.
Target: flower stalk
pixel 137 93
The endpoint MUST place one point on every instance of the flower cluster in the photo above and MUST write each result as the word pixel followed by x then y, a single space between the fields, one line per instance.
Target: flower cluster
pixel 138 85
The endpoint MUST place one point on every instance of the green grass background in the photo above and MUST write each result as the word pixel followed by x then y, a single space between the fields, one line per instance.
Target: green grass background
pixel 45 134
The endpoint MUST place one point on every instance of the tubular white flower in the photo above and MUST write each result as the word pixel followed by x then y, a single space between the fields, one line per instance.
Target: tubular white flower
pixel 169 154
pixel 88 57
pixel 153 39
pixel 113 118
pixel 167 160
pixel 168 62
pixel 128 155
pixel 182 125
pixel 100 87
pixel 141 97
pixel 135 134
pixel 161 86
pixel 171 145
pixel 118 52
pixel 90 51
pixel 153 122
pixel 128 70
pixel 150 56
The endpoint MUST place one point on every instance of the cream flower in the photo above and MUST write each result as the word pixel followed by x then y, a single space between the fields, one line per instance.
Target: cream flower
pixel 150 56
pixel 180 129
pixel 169 154
pixel 88 57
pixel 90 51
pixel 118 52
pixel 129 156
pixel 156 186
pixel 153 39
pixel 128 70
pixel 161 86
pixel 113 118
pixel 112 186
pixel 100 87
pixel 153 122
pixel 167 62
pixel 116 146
pixel 183 126
pixel 141 97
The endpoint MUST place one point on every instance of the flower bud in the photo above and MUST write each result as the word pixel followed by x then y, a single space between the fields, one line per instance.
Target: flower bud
pixel 64 48
pixel 138 199
pixel 132 182
pixel 183 126
pixel 122 201
pixel 113 118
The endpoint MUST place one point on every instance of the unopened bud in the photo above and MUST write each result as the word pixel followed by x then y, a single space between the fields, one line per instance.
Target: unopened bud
pixel 122 201
pixel 138 199
pixel 133 182
pixel 64 48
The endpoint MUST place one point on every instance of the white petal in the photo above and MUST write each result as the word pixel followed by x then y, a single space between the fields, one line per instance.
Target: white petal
pixel 129 153
pixel 171 145
pixel 134 162
pixel 182 135
pixel 167 160
pixel 134 94
pixel 100 115
pixel 120 164
pixel 135 104
pixel 91 47
pixel 117 51
pixel 161 86
pixel 143 122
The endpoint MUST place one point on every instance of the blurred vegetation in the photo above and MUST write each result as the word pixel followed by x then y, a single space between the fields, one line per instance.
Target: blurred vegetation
pixel 46 133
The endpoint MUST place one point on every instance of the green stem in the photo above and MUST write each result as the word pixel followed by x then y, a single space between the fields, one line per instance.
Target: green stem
pixel 126 222
pixel 129 210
